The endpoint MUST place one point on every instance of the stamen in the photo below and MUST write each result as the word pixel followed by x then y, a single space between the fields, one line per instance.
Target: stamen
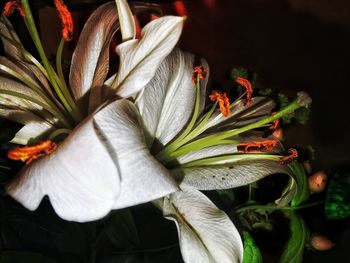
pixel 198 74
pixel 261 146
pixel 66 18
pixel 275 124
pixel 223 100
pixel 293 154
pixel 13 5
pixel 248 86
pixel 29 153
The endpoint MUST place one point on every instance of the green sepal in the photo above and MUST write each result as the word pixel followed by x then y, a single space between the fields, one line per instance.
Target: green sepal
pixel 251 252
pixel 299 234
pixel 303 192
pixel 338 196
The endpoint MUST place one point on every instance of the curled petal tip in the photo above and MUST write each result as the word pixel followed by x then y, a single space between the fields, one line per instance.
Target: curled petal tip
pixel 304 99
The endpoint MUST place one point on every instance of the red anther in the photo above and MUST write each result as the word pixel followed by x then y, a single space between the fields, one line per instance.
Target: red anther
pixel 198 73
pixel 29 153
pixel 13 5
pixel 259 146
pixel 293 154
pixel 275 124
pixel 223 100
pixel 66 18
pixel 248 86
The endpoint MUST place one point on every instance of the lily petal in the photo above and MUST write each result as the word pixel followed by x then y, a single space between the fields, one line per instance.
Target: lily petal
pixel 17 95
pixel 14 50
pixel 139 59
pixel 206 234
pixel 90 60
pixel 35 128
pixel 81 177
pixel 6 29
pixel 143 178
pixel 166 103
pixel 212 178
pixel 127 23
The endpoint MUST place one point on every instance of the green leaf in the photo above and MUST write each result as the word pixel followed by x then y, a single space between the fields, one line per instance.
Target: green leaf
pixel 299 234
pixel 23 257
pixel 338 196
pixel 251 251
pixel 303 192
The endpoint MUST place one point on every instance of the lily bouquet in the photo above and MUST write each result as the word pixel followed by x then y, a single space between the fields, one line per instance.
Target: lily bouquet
pixel 93 143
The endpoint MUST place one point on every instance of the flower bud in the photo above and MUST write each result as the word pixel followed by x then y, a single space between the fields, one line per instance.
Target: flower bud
pixel 320 242
pixel 317 182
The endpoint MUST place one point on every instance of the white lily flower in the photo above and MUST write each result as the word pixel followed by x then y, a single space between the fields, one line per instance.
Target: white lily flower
pixel 91 171
pixel 161 144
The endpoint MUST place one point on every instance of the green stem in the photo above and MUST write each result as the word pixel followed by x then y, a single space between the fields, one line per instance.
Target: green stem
pixel 61 93
pixel 303 100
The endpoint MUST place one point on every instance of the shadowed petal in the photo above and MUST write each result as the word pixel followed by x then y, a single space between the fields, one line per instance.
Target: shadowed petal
pixel 166 103
pixel 206 233
pixel 241 115
pixel 90 60
pixel 35 128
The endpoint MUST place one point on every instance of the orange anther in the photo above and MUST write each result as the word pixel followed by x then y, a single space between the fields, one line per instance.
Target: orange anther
pixel 275 124
pixel 248 86
pixel 13 5
pixel 29 153
pixel 223 100
pixel 66 18
pixel 262 146
pixel 198 73
pixel 293 154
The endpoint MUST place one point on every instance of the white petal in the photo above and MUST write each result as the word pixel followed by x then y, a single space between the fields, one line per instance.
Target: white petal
pixel 166 104
pixel 35 128
pixel 127 23
pixel 80 177
pixel 139 59
pixel 7 30
pixel 90 60
pixel 143 178
pixel 240 174
pixel 9 85
pixel 206 234
pixel 207 152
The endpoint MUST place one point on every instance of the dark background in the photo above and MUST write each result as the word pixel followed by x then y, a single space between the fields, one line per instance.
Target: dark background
pixel 293 45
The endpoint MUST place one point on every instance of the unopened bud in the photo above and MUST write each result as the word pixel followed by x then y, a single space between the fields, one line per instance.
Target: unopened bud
pixel 317 182
pixel 320 242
